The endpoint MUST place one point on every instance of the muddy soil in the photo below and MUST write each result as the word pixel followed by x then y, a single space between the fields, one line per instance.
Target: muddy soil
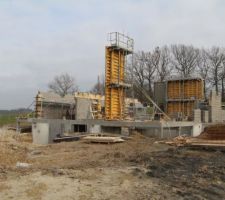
pixel 191 174
pixel 135 169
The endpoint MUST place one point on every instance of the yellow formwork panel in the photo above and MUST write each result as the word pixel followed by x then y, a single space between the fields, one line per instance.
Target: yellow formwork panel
pixel 114 75
pixel 186 108
pixel 185 89
pixel 182 95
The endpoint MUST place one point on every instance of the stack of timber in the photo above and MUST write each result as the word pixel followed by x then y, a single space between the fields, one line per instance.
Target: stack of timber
pixel 102 139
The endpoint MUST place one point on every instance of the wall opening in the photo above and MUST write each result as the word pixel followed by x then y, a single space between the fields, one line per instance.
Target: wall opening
pixel 81 128
pixel 112 130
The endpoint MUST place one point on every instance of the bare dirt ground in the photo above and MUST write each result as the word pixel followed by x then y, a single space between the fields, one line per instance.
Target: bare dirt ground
pixel 135 169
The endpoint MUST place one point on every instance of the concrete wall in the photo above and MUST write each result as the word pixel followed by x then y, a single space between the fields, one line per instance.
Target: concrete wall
pixel 186 130
pixel 55 129
pixel 152 129
pixel 94 129
pixel 150 132
pixel 40 133
pixel 205 116
pixel 160 94
pixel 52 111
pixel 197 129
pixel 83 107
pixel 215 107
pixel 108 129
pixel 223 115
pixel 167 132
pixel 45 132
pixel 197 115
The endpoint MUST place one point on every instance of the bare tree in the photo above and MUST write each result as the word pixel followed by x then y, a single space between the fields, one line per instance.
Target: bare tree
pixel 151 61
pixel 184 59
pixel 222 78
pixel 163 63
pixel 137 73
pixel 203 69
pixel 99 87
pixel 63 84
pixel 216 59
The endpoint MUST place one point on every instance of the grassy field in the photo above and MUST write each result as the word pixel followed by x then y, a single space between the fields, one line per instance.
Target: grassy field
pixel 7 119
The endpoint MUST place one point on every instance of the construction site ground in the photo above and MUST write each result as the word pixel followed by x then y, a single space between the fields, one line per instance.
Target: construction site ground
pixel 139 168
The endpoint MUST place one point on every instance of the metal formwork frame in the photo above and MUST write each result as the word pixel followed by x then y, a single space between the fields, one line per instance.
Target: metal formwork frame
pixel 115 86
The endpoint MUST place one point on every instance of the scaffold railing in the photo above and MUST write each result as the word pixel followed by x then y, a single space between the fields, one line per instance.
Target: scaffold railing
pixel 121 41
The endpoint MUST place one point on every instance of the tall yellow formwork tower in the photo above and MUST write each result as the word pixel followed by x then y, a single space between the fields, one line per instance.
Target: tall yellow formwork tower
pixel 115 86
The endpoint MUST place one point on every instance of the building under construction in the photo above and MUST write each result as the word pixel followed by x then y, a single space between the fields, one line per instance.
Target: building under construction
pixel 183 100
pixel 180 100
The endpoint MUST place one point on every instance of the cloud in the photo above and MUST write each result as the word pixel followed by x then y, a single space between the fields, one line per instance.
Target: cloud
pixel 40 39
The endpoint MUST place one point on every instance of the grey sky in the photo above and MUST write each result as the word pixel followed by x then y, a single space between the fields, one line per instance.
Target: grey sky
pixel 42 38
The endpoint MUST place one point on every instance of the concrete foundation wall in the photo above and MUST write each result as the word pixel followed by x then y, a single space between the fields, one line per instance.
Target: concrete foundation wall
pixel 94 129
pixel 40 133
pixel 108 129
pixel 186 130
pixel 55 129
pixel 150 132
pixel 166 132
pixel 44 133
pixel 151 128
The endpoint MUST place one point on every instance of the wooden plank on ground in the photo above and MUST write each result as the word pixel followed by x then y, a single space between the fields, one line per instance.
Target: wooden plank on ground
pixel 102 139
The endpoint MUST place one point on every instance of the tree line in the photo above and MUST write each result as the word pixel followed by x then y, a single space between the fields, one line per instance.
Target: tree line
pixel 180 60
pixel 160 64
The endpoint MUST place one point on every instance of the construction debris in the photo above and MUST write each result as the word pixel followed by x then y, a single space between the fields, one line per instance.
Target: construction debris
pixel 180 140
pixel 213 136
pixel 177 141
pixel 22 129
pixel 137 169
pixel 66 139
pixel 22 165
